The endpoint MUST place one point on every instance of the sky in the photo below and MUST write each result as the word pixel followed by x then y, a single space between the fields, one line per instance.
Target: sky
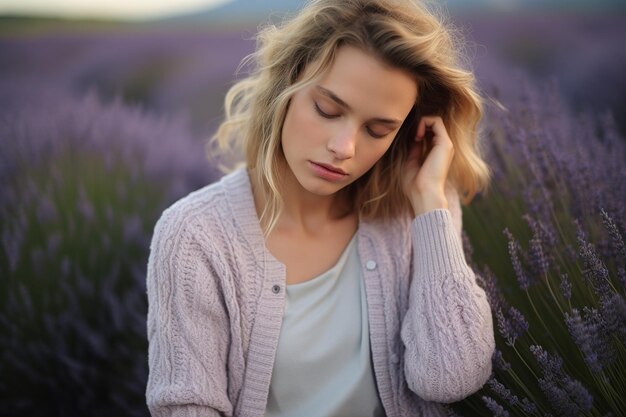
pixel 117 9
pixel 150 9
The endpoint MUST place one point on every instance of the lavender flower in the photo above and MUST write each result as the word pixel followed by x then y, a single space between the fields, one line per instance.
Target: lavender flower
pixel 513 326
pixel 539 259
pixel 578 393
pixel 529 407
pixel 496 409
pixel 489 282
pixel 566 286
pixel 75 248
pixel 595 271
pixel 504 393
pixel 590 338
pixel 613 317
pixel 550 365
pixel 566 395
pixel 539 264
pixel 514 249
pixel 498 361
pixel 619 248
pixel 557 397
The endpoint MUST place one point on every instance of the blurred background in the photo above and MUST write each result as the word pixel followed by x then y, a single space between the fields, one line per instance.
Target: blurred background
pixel 105 108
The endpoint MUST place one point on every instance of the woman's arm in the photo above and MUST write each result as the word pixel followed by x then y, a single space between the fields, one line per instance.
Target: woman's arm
pixel 187 324
pixel 447 331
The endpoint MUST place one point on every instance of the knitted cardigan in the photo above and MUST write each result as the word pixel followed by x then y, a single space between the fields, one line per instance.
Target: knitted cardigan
pixel 216 299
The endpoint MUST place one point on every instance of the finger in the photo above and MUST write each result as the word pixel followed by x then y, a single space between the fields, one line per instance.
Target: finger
pixel 427 124
pixel 435 123
pixel 437 127
pixel 421 130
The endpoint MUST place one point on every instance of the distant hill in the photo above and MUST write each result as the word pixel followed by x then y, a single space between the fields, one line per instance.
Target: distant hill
pixel 241 11
pixel 14 25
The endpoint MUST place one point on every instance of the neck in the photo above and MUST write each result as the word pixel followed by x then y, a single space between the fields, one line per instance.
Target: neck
pixel 303 211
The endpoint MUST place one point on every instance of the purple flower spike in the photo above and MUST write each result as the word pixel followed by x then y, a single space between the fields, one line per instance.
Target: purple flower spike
pixel 514 249
pixel 498 361
pixel 583 335
pixel 560 402
pixel 567 396
pixel 541 239
pixel 529 407
pixel 566 286
pixel 595 271
pixel 613 317
pixel 513 326
pixel 504 393
pixel 488 281
pixel 496 409
pixel 618 246
pixel 549 364
pixel 578 393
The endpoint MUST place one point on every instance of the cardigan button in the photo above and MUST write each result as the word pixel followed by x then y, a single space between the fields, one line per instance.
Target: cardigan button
pixel 276 289
pixel 394 358
pixel 370 265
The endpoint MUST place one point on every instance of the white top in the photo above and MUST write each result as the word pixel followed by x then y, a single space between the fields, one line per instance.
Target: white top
pixel 323 362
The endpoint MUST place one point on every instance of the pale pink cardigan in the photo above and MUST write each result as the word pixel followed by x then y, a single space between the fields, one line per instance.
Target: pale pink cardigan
pixel 216 298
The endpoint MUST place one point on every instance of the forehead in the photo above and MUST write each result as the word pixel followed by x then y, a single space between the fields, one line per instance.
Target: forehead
pixel 367 84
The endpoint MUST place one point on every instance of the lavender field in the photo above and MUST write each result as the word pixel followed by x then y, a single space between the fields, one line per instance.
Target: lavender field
pixel 100 130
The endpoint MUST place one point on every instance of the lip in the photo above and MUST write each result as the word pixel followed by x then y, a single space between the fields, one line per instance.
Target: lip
pixel 330 167
pixel 327 172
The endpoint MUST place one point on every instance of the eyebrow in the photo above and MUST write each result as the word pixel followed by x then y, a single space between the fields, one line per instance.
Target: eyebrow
pixel 345 105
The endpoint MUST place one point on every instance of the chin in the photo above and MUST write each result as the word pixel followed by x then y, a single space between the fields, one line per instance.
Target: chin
pixel 320 187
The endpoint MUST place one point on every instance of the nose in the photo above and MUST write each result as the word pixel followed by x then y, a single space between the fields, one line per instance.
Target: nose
pixel 343 143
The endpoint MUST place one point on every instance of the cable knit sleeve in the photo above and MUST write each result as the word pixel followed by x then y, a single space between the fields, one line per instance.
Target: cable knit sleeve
pixel 447 330
pixel 187 324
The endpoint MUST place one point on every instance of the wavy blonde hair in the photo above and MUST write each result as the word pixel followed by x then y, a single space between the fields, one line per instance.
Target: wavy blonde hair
pixel 402 33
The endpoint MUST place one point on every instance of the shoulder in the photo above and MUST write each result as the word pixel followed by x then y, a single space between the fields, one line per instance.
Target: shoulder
pixel 203 212
pixel 193 209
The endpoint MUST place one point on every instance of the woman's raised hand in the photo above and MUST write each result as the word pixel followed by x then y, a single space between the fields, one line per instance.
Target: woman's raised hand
pixel 424 179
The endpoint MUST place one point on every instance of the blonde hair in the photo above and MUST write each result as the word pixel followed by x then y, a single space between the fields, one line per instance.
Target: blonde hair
pixel 403 34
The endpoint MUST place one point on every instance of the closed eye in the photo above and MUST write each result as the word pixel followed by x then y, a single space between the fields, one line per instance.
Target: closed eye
pixel 376 135
pixel 324 114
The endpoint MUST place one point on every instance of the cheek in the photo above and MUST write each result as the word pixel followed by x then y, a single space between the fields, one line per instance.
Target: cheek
pixel 299 123
pixel 377 151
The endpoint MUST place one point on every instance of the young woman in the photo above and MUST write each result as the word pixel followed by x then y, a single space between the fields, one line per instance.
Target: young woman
pixel 326 276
